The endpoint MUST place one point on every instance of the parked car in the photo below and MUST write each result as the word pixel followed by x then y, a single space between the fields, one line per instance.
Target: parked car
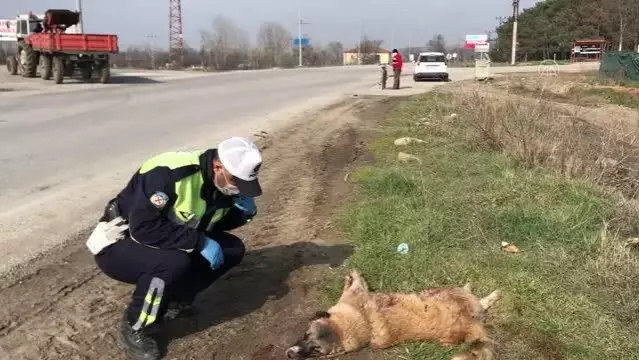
pixel 431 65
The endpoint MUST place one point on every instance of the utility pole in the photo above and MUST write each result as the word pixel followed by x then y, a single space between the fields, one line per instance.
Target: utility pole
pixel 299 35
pixel 359 44
pixel 393 37
pixel 359 50
pixel 78 6
pixel 515 18
pixel 151 36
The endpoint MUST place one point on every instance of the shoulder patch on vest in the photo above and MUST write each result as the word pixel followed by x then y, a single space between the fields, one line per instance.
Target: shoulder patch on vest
pixel 159 200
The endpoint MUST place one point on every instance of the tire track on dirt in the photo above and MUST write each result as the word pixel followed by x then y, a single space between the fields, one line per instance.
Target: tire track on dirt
pixel 68 310
pixel 301 157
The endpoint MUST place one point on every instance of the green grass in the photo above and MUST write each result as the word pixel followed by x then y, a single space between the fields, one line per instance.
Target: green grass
pixel 597 78
pixel 569 294
pixel 608 95
pixel 583 96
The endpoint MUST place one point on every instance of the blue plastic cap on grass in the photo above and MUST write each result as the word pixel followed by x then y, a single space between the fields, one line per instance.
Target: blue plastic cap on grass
pixel 402 248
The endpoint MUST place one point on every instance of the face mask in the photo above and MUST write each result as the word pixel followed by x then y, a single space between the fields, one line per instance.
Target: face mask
pixel 228 189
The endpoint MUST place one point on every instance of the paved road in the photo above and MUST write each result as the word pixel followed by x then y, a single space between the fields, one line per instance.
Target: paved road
pixel 62 154
pixel 58 135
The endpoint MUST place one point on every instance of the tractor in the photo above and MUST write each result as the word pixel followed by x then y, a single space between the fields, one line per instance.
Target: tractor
pixel 50 43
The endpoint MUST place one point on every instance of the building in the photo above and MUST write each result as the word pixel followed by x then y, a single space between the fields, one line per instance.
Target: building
pixel 588 49
pixel 380 56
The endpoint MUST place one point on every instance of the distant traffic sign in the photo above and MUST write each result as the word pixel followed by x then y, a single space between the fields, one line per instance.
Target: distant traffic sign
pixel 304 40
pixel 482 48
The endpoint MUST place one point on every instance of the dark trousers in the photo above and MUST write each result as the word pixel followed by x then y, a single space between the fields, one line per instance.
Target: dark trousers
pixel 396 74
pixel 162 276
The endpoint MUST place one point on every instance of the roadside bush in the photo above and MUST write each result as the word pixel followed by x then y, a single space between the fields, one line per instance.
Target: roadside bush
pixel 536 133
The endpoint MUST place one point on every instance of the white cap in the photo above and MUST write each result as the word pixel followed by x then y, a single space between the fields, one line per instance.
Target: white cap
pixel 241 157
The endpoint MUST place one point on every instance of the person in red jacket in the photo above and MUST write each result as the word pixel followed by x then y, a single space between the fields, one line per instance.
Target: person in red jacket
pixel 397 63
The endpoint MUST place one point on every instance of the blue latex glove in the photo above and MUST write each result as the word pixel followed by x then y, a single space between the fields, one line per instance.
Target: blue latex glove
pixel 246 205
pixel 212 251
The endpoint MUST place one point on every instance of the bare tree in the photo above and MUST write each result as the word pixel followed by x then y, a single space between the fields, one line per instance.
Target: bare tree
pixel 437 44
pixel 369 50
pixel 335 52
pixel 274 42
pixel 227 45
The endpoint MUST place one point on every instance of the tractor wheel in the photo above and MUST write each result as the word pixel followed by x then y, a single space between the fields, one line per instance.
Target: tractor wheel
pixel 58 69
pixel 105 73
pixel 12 65
pixel 30 61
pixel 47 67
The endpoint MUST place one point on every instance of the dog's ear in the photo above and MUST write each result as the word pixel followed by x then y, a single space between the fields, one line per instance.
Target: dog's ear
pixel 320 315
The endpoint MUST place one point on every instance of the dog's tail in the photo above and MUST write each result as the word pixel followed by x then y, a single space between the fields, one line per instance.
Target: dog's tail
pixel 479 351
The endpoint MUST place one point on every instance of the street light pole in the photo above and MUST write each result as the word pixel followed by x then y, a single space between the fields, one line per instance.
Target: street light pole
pixel 515 18
pixel 78 6
pixel 361 33
pixel 299 35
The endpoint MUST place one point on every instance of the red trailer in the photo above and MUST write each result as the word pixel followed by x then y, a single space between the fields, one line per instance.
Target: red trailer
pixel 59 54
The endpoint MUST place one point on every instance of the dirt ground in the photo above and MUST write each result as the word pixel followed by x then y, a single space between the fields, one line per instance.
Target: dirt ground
pixel 66 309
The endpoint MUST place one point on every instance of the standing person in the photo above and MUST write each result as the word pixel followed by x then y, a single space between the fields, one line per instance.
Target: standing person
pixel 397 63
pixel 165 232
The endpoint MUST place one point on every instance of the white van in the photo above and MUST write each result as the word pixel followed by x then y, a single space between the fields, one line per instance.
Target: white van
pixel 431 65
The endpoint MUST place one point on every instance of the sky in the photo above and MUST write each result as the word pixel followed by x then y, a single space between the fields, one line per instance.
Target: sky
pixel 410 22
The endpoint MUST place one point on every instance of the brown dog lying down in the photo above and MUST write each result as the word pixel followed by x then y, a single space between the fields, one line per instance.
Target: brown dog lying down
pixel 361 318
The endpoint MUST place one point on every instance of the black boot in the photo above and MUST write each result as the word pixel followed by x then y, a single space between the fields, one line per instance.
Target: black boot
pixel 138 345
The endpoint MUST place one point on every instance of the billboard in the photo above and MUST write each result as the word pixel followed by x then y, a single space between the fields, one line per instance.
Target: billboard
pixel 473 40
pixel 8 29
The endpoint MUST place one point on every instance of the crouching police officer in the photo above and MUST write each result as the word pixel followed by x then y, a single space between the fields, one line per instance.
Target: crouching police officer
pixel 165 232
